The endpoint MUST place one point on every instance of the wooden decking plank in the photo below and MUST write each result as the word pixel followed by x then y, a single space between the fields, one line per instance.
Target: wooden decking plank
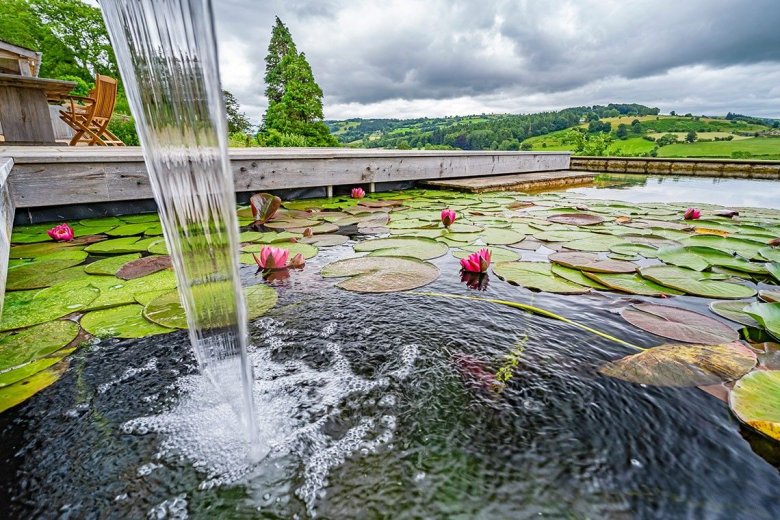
pixel 518 181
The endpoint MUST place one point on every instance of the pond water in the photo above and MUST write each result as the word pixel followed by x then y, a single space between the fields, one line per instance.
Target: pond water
pixel 387 405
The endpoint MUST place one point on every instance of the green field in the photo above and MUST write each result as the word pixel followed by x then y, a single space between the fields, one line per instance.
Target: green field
pixel 757 147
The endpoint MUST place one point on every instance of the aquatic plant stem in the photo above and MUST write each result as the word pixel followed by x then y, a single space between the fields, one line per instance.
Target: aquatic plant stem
pixel 533 310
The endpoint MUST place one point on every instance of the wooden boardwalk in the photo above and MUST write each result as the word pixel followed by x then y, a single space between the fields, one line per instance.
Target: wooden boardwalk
pixel 55 176
pixel 525 181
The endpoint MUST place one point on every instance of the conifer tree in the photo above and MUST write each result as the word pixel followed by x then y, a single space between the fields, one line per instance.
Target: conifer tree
pixel 294 98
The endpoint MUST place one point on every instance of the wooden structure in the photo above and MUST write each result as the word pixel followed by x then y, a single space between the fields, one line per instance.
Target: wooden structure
pixel 52 176
pixel 517 181
pixel 19 61
pixel 91 116
pixel 24 108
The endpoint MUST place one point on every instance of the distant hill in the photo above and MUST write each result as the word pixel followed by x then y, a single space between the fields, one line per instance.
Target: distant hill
pixel 614 129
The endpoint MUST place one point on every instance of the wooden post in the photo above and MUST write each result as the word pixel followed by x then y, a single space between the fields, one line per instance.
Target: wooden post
pixel 330 192
pixel 372 187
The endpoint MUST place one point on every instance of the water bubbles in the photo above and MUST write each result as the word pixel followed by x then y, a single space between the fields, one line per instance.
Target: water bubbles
pixel 147 469
pixel 319 414
pixel 174 509
pixel 150 366
pixel 636 463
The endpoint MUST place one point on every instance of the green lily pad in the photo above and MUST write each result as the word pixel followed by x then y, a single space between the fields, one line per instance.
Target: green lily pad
pixel 291 224
pixel 755 400
pixel 110 265
pixel 577 219
pixel 128 230
pixel 125 321
pixel 36 275
pixel 773 269
pixel 734 311
pixel 633 250
pixel 595 243
pixel 115 291
pixel 632 284
pixel 682 257
pixel 19 392
pixel 415 247
pixel 36 250
pixel 500 236
pixel 678 324
pixel 590 262
pixel 143 217
pixel 498 254
pixel 26 308
pixel 729 245
pixel 683 365
pixel 767 314
pixel 117 246
pixel 710 257
pixel 101 222
pixel 577 276
pixel 770 253
pixel 324 240
pixel 708 285
pixel 33 343
pixel 536 275
pixel 565 235
pixel 377 274
pixel 158 247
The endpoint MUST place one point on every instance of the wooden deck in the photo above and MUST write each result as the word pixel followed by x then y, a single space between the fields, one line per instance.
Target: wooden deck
pixel 525 181
pixel 53 176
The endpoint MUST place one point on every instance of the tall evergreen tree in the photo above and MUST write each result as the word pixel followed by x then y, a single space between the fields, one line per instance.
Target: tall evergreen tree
pixel 294 98
pixel 281 45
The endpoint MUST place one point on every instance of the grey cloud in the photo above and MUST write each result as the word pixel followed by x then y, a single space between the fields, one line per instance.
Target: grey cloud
pixel 380 53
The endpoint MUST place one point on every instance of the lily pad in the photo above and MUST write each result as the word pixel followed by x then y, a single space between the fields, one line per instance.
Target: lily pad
pixel 708 285
pixel 158 247
pixel 126 321
pixel 33 343
pixel 591 262
pixel 26 308
pixel 632 284
pixel 35 250
pixel 734 311
pixel 769 296
pixel 19 392
pixel 682 257
pixel 538 276
pixel 773 269
pixel 264 206
pixel 683 365
pixel 325 240
pixel 36 275
pixel 144 266
pixel 117 246
pixel 377 274
pixel 595 243
pixel 565 235
pixel 767 314
pixel 128 230
pixel 632 250
pixel 770 253
pixel 755 400
pixel 415 247
pixel 110 265
pixel 729 245
pixel 577 219
pixel 678 324
pixel 577 276
pixel 500 236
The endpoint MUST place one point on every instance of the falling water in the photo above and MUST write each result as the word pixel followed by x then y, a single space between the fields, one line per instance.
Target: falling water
pixel 167 56
pixel 6 221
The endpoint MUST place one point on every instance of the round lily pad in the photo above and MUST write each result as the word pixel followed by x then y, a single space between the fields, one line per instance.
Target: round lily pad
pixel 537 276
pixel 576 219
pixel 144 266
pixel 376 274
pixel 564 235
pixel 631 284
pixel 127 230
pixel 577 276
pixel 734 311
pixel 33 343
pixel 324 240
pixel 708 285
pixel 728 245
pixel 767 314
pixel 291 224
pixel 755 400
pixel 19 392
pixel 500 236
pixel 590 262
pixel 415 247
pixel 35 275
pixel 319 229
pixel 595 243
pixel 110 265
pixel 117 246
pixel 683 365
pixel 26 308
pixel 35 250
pixel 770 253
pixel 158 247
pixel 126 321
pixel 632 250
pixel 678 324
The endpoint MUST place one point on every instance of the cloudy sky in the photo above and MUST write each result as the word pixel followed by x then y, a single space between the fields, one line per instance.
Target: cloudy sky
pixel 410 58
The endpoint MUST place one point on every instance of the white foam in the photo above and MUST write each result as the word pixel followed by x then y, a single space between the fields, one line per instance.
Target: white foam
pixel 293 402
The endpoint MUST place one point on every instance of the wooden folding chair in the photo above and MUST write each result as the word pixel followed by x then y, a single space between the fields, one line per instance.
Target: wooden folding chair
pixel 92 114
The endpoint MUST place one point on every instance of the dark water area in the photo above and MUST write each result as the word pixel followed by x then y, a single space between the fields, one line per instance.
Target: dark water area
pixel 558 441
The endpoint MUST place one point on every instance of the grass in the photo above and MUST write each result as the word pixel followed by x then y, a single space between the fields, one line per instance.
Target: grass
pixel 757 147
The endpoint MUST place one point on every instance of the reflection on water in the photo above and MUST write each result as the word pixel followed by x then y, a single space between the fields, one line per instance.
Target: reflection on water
pixel 701 190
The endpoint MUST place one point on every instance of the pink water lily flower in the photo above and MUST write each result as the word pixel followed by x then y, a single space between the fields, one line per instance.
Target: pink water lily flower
pixel 476 262
pixel 61 233
pixel 448 216
pixel 358 193
pixel 691 214
pixel 272 258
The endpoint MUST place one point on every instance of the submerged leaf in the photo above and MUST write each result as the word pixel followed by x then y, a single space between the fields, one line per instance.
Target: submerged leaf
pixel 678 324
pixel 683 365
